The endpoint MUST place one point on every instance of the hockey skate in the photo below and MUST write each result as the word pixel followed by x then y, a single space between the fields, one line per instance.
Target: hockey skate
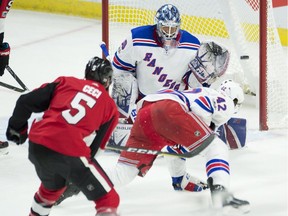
pixel 225 201
pixel 4 148
pixel 188 183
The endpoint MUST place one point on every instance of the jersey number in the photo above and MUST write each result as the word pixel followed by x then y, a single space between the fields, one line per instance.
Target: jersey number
pixel 81 111
pixel 221 106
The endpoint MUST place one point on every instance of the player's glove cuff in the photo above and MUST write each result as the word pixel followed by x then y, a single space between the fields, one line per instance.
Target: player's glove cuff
pixel 4 57
pixel 17 136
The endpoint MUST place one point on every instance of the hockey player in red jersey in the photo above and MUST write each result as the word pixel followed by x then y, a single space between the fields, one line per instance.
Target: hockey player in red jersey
pixel 5 6
pixel 73 110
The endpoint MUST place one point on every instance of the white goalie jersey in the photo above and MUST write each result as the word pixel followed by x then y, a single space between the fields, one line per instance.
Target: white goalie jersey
pixel 155 68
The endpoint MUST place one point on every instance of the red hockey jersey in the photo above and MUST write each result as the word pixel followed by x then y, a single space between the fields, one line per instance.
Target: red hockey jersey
pixel 73 109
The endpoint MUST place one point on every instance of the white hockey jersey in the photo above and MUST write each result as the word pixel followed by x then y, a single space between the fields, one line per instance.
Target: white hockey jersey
pixel 155 68
pixel 206 103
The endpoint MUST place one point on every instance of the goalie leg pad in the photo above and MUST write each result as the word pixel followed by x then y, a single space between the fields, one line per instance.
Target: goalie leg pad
pixel 233 133
pixel 120 134
pixel 124 92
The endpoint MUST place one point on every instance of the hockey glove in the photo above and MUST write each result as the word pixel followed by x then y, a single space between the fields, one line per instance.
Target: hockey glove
pixel 4 57
pixel 17 136
pixel 188 183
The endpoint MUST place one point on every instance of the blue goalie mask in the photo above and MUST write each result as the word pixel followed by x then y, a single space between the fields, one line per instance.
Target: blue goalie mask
pixel 168 23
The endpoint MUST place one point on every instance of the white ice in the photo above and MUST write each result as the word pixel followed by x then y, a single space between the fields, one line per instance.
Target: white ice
pixel 45 46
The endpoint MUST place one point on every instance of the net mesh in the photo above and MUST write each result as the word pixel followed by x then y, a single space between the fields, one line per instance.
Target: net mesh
pixel 233 23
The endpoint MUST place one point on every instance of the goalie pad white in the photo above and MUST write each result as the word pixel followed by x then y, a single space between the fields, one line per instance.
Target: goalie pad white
pixel 124 92
pixel 211 61
pixel 120 134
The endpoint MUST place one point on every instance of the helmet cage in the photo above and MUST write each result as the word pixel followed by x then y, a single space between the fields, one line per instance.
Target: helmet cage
pixel 168 30
pixel 168 22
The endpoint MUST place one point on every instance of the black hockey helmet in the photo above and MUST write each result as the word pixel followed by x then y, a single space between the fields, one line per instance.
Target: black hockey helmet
pixel 99 70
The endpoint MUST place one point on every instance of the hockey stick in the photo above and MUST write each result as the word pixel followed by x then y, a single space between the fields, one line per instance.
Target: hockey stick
pixel 193 153
pixel 16 78
pixel 14 88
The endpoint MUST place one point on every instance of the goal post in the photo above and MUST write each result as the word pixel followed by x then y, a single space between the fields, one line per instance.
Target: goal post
pixel 263 66
pixel 246 27
pixel 105 23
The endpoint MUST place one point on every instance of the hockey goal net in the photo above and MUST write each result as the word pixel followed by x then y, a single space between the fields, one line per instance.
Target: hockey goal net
pixel 233 23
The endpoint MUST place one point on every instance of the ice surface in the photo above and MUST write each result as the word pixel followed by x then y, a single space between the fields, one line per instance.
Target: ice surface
pixel 45 46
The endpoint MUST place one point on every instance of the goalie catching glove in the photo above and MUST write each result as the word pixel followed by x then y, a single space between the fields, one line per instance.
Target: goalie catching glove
pixel 211 61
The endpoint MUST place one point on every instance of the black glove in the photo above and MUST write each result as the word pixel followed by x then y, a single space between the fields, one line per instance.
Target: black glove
pixel 17 136
pixel 4 57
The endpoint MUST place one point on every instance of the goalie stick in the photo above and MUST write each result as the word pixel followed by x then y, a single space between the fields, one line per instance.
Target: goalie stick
pixel 193 153
pixel 105 51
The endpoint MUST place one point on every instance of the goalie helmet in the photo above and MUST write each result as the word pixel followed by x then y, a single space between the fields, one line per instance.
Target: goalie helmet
pixel 211 62
pixel 234 91
pixel 167 20
pixel 99 70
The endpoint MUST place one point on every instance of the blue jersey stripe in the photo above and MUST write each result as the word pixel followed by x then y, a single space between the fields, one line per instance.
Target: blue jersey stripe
pixel 204 106
pixel 217 161
pixel 180 95
pixel 217 169
pixel 145 44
